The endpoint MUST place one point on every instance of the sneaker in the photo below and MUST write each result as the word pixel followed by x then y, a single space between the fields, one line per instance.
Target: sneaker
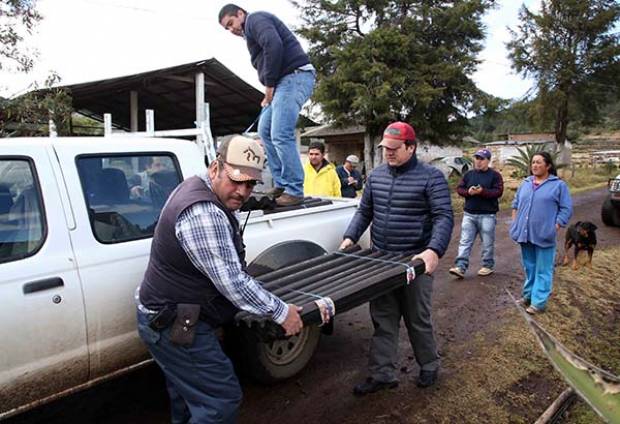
pixel 289 200
pixel 371 386
pixel 427 378
pixel 484 271
pixel 459 272
pixel 523 302
pixel 533 310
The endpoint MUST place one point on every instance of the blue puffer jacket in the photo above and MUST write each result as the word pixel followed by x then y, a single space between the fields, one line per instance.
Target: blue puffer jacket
pixel 409 207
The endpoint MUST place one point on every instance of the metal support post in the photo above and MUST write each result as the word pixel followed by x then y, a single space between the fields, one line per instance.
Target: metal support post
pixel 107 124
pixel 209 143
pixel 150 123
pixel 133 110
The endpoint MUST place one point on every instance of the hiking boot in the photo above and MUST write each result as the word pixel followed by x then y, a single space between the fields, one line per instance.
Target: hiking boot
pixel 523 302
pixel 274 192
pixel 289 200
pixel 533 310
pixel 371 386
pixel 484 271
pixel 427 378
pixel 459 272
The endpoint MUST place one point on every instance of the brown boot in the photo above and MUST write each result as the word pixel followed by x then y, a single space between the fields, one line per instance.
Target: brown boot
pixel 289 200
pixel 274 192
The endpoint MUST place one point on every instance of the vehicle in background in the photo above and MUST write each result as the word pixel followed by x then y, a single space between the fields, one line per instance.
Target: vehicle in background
pixel 610 212
pixel 452 164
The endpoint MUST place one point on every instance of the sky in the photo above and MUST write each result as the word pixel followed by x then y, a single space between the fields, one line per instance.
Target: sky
pixel 88 40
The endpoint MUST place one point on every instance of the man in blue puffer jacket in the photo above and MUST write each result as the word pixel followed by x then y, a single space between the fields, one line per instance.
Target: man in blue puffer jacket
pixel 408 204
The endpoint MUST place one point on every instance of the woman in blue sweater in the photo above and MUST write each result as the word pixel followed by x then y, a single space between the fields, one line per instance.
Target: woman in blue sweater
pixel 541 206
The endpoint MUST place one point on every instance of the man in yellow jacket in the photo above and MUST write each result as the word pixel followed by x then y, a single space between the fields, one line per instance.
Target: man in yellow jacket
pixel 320 177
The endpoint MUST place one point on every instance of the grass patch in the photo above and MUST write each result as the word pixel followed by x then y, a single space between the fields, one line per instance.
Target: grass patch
pixel 583 179
pixel 502 375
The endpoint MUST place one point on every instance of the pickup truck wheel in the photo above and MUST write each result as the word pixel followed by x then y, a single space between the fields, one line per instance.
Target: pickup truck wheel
pixel 270 362
pixel 278 360
pixel 609 214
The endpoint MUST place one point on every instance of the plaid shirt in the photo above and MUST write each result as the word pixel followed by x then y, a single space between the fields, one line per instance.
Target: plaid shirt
pixel 206 237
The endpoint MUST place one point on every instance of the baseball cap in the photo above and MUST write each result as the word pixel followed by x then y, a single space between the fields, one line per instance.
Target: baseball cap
pixel 483 153
pixel 243 158
pixel 353 159
pixel 396 134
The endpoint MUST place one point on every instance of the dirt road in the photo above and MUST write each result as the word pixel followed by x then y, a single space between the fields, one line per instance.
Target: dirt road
pixel 322 392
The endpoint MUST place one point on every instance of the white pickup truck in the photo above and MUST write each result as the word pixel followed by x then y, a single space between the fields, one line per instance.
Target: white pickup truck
pixel 76 220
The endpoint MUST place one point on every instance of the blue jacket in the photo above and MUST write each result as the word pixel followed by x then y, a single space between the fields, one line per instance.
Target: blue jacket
pixel 492 185
pixel 274 50
pixel 409 207
pixel 539 210
pixel 346 189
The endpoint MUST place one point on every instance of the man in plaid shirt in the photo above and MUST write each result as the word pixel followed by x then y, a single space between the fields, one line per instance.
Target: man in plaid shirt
pixel 196 281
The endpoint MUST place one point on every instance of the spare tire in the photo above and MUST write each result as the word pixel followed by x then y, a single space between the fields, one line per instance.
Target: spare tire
pixel 277 360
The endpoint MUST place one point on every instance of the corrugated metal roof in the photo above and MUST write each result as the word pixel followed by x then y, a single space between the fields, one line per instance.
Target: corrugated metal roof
pixel 516 142
pixel 170 92
pixel 331 130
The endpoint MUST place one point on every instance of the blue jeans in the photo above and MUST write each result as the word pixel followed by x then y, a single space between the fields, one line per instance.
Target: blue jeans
pixel 276 128
pixel 538 267
pixel 473 225
pixel 200 379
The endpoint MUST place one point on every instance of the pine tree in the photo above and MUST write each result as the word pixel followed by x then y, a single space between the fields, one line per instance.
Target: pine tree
pixel 570 50
pixel 381 60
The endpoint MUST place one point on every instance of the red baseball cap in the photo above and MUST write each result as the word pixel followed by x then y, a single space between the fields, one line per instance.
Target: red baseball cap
pixel 396 134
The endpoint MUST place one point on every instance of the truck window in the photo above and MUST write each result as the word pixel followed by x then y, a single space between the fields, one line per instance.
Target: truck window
pixel 22 227
pixel 124 194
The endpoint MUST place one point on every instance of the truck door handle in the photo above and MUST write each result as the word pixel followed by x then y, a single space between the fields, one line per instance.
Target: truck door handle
pixel 40 285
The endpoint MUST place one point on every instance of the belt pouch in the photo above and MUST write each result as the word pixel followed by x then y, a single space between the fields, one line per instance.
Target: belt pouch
pixel 184 327
pixel 163 318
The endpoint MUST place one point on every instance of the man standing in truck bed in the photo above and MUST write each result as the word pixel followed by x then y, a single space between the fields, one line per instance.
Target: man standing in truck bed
pixel 285 71
pixel 196 281
pixel 408 204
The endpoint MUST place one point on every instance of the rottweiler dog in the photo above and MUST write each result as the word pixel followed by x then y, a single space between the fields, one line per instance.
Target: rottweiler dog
pixel 581 235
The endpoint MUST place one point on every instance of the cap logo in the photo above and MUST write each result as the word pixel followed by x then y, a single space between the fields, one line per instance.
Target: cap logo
pixel 251 156
pixel 392 131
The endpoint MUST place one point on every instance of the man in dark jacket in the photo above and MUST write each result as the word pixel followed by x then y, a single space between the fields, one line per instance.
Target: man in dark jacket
pixel 196 280
pixel 350 177
pixel 408 204
pixel 481 187
pixel 285 71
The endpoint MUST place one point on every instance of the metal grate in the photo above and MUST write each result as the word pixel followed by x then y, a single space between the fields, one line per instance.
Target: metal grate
pixel 350 279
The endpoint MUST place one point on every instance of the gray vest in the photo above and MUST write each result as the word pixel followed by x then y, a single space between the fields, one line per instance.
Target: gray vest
pixel 170 277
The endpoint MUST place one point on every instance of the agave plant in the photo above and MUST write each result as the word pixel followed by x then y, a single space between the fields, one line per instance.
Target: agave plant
pixel 522 162
pixel 599 388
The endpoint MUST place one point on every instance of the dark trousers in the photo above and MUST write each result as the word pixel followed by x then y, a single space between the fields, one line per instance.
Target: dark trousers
pixel 201 381
pixel 412 303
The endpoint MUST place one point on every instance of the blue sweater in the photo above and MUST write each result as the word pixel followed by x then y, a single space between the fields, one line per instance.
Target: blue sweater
pixel 274 50
pixel 539 210
pixel 346 189
pixel 492 185
pixel 409 207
